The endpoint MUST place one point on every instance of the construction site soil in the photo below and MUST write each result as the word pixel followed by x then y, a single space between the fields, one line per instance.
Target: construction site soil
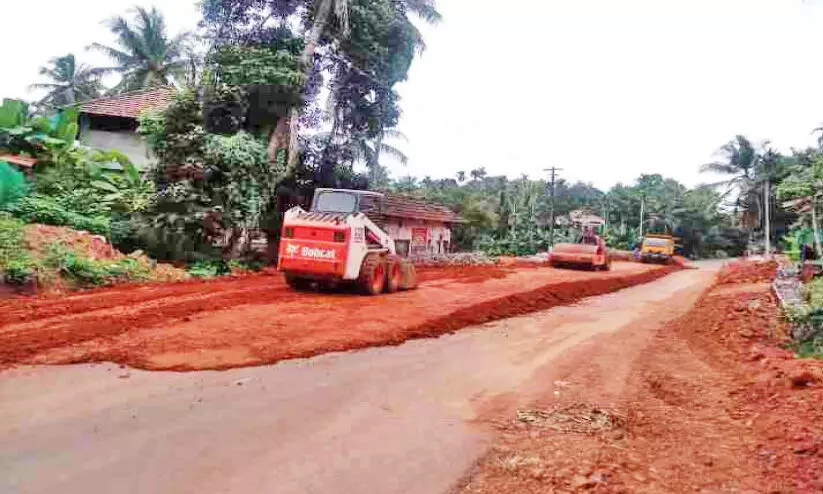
pixel 711 403
pixel 256 319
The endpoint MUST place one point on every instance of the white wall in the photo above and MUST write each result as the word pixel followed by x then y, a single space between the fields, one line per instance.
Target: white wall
pixel 436 232
pixel 129 143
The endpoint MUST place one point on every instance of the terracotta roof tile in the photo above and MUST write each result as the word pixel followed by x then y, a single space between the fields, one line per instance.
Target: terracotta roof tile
pixel 131 104
pixel 16 159
pixel 396 206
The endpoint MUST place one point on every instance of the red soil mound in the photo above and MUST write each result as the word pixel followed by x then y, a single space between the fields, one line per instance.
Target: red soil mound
pixel 256 320
pixel 712 404
pixel 747 272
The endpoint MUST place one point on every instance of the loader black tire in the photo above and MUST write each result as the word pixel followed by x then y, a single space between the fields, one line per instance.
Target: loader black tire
pixel 298 283
pixel 394 274
pixel 372 279
pixel 409 275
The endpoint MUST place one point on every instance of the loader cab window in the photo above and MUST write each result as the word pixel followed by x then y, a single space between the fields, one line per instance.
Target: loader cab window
pixel 335 202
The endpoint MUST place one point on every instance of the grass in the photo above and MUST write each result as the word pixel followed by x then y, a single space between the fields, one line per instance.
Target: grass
pixel 20 263
pixel 16 264
pixel 812 348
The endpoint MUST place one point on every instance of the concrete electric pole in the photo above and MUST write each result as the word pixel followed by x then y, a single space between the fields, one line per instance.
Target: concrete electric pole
pixel 553 175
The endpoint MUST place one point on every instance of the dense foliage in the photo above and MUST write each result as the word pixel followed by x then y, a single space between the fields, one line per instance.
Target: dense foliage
pixel 504 216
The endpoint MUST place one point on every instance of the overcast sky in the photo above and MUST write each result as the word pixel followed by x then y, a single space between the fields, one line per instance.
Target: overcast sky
pixel 604 89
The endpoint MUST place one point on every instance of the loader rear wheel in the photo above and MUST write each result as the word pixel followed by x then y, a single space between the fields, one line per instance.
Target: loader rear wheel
pixel 394 275
pixel 372 279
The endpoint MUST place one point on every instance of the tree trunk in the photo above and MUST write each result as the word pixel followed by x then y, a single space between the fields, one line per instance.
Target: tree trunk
pixel 376 159
pixel 320 20
pixel 277 141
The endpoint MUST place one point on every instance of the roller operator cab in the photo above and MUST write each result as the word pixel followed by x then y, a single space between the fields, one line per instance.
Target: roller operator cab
pixel 336 242
pixel 589 252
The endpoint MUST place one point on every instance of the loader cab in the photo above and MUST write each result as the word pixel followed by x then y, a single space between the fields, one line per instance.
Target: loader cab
pixel 345 201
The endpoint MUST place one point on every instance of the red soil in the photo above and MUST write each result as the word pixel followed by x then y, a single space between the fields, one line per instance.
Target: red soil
pixel 747 272
pixel 255 320
pixel 707 404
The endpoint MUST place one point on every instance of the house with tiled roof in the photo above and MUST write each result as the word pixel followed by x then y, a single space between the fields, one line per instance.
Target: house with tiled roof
pixel 417 227
pixel 111 122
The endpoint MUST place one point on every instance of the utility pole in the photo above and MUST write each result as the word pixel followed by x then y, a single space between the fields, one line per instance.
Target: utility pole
pixel 642 207
pixel 553 174
pixel 767 228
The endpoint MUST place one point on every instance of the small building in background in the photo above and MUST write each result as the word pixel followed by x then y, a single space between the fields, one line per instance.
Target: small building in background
pixel 580 219
pixel 111 122
pixel 417 227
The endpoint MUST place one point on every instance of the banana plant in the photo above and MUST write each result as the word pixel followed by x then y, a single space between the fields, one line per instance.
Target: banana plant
pixel 20 133
pixel 127 191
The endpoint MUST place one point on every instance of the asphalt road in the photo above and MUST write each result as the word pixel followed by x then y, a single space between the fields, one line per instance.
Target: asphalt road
pixel 405 419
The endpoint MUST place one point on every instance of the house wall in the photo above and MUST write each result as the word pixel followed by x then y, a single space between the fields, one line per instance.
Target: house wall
pixel 129 143
pixel 423 237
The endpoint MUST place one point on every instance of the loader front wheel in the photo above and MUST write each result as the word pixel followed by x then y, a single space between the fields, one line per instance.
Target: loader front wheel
pixel 408 275
pixel 372 279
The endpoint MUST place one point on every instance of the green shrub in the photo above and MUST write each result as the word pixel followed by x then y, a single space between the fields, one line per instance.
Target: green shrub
pixel 45 210
pixel 86 271
pixel 13 185
pixel 812 348
pixel 15 262
pixel 814 293
pixel 208 269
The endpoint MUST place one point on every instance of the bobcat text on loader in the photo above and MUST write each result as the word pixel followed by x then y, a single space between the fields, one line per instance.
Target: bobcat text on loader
pixel 336 242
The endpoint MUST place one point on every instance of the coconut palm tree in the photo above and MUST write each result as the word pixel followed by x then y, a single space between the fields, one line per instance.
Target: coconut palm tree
pixel 369 151
pixel 145 55
pixel 70 82
pixel 740 159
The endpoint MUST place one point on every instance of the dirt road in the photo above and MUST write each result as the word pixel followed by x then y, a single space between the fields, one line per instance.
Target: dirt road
pixel 223 324
pixel 407 419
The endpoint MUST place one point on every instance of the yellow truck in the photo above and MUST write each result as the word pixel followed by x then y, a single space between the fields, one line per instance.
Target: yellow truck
pixel 657 247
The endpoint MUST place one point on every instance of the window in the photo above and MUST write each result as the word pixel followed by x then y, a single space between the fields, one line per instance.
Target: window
pixel 335 202
pixel 656 242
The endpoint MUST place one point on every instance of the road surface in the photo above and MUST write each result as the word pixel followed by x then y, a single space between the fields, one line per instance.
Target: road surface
pixel 405 419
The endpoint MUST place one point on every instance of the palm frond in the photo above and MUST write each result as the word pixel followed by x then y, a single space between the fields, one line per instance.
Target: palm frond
pixel 425 10
pixel 392 151
pixel 718 167
pixel 395 134
pixel 44 85
pixel 122 58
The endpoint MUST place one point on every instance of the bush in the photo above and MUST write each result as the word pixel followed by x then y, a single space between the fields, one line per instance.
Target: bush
pixel 86 271
pixel 208 269
pixel 812 348
pixel 15 262
pixel 813 292
pixel 43 209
